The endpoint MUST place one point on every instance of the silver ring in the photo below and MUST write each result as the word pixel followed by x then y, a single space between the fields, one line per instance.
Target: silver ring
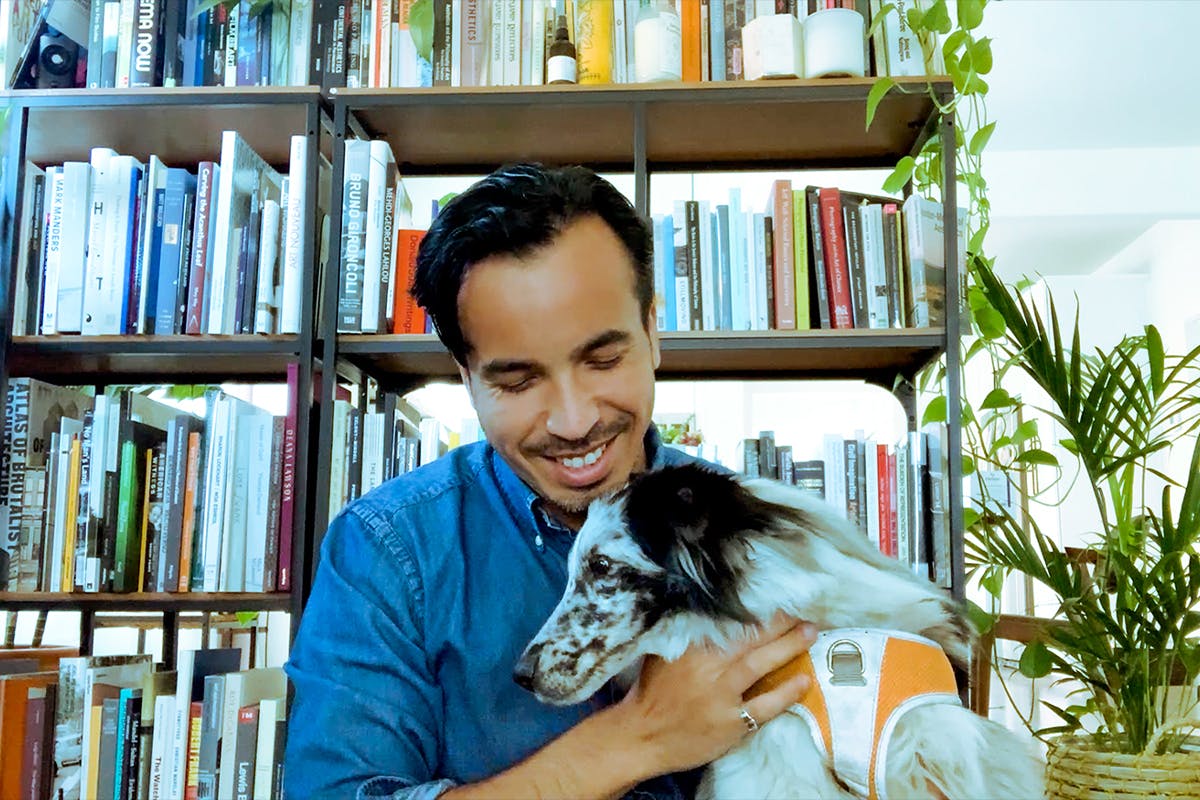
pixel 750 722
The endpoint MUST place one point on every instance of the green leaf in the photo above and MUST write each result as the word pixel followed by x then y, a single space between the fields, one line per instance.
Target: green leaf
pixel 1038 457
pixel 997 398
pixel 993 581
pixel 968 468
pixel 1035 661
pixel 935 411
pixel 970 517
pixel 981 55
pixel 881 87
pixel 1069 445
pixel 937 18
pixel 975 85
pixel 976 243
pixel 970 13
pixel 916 18
pixel 1025 431
pixel 980 139
pixel 954 42
pixel 981 620
pixel 990 322
pixel 901 175
pixel 420 27
pixel 246 618
pixel 878 17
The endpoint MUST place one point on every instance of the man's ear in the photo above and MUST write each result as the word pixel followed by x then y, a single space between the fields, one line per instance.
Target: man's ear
pixel 652 332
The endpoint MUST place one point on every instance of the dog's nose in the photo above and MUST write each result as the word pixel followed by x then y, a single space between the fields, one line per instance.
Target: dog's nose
pixel 524 671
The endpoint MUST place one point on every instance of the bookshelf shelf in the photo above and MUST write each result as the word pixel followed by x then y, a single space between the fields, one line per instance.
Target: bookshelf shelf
pixel 177 125
pixel 810 123
pixel 154 359
pixel 876 355
pixel 105 601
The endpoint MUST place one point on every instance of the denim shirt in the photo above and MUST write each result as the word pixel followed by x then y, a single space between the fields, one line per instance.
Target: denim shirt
pixel 428 589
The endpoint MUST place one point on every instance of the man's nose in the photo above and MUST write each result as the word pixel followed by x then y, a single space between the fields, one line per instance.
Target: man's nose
pixel 573 413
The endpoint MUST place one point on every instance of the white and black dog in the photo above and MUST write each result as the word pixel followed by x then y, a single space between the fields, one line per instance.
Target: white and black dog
pixel 686 555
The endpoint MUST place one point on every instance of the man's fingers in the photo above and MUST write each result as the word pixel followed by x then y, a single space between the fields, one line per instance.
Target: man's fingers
pixel 767 706
pixel 773 653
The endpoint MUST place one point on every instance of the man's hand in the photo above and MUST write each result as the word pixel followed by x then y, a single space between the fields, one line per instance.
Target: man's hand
pixel 687 712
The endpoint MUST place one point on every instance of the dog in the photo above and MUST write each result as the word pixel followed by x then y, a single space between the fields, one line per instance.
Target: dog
pixel 687 555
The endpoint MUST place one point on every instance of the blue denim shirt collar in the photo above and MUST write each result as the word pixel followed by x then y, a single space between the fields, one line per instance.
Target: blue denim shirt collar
pixel 527 506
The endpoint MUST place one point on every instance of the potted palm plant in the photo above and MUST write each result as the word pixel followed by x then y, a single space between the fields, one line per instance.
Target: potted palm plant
pixel 1126 629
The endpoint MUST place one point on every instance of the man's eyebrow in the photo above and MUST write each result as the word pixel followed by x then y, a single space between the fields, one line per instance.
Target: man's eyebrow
pixel 609 337
pixel 497 367
pixel 507 366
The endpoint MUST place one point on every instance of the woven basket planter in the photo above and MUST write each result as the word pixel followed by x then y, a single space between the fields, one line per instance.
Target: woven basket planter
pixel 1076 769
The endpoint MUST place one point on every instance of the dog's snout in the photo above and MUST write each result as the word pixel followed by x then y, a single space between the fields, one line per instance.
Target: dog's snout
pixel 525 669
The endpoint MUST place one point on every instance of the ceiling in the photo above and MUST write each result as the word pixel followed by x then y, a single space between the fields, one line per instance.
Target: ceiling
pixel 1098 128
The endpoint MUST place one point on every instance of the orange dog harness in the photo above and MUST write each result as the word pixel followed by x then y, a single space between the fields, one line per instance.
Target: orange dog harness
pixel 867 680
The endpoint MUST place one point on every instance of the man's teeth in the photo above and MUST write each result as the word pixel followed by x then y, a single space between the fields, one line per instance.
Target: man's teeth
pixel 585 460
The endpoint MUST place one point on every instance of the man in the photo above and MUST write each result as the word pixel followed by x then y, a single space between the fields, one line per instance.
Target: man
pixel 539 282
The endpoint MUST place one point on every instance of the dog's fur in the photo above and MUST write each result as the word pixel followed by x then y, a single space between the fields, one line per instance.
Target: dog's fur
pixel 686 555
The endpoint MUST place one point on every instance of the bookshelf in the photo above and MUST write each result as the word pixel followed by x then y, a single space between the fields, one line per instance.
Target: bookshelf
pixel 182 127
pixel 643 129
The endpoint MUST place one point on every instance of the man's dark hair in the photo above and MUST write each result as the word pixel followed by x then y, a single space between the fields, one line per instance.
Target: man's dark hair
pixel 513 211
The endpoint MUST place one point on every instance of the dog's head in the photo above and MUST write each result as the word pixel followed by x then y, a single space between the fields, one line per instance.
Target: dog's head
pixel 673 546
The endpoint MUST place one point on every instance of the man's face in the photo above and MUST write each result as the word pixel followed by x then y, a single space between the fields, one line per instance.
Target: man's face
pixel 561 364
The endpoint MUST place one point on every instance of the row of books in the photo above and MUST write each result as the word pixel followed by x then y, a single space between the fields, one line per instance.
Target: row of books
pixel 115 246
pixel 378 247
pixel 893 492
pixel 379 442
pixel 114 491
pixel 114 728
pixel 816 258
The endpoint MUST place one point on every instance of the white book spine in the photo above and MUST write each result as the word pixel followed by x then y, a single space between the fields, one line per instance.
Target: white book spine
pixel 54 234
pixel 215 477
pixel 372 454
pixel 111 283
pixel 526 11
pixel 301 42
pixel 160 747
pixel 76 219
pixel 93 297
pixel 265 303
pixel 537 69
pixel 270 711
pixel 261 428
pixel 456 42
pixel 512 43
pixel 292 277
pixel 620 60
pixel 903 506
pixel 221 221
pixel 381 153
pixel 737 263
pixel 231 47
pixel 496 43
pixel 124 42
pixel 758 272
pixel 232 574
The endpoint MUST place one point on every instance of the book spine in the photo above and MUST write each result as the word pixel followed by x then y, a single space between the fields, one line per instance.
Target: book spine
pixel 852 218
pixel 836 268
pixel 783 269
pixel 287 485
pixel 292 274
pixel 205 184
pixel 354 199
pixel 146 66
pixel 695 276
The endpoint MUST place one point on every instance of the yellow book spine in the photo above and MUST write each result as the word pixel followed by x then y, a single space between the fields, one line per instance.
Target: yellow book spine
pixel 68 554
pixel 800 248
pixel 594 42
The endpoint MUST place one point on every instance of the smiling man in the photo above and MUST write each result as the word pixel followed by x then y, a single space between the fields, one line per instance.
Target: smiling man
pixel 539 282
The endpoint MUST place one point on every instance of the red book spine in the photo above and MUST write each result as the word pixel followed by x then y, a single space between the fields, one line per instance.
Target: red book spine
pixel 205 189
pixel 287 506
pixel 407 316
pixel 837 270
pixel 883 507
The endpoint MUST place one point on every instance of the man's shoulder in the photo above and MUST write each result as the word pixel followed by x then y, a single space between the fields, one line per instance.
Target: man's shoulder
pixel 429 488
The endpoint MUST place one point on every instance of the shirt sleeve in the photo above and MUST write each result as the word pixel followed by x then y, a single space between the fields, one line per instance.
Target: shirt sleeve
pixel 366 711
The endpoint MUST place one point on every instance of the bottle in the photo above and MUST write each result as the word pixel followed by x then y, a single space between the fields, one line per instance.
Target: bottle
pixel 560 67
pixel 657 43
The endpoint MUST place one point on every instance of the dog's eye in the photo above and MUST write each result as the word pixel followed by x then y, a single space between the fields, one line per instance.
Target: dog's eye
pixel 599 565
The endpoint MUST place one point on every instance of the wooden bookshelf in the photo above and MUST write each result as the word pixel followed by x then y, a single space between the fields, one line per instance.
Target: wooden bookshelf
pixel 181 125
pixel 874 355
pixel 104 601
pixel 742 125
pixel 152 359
